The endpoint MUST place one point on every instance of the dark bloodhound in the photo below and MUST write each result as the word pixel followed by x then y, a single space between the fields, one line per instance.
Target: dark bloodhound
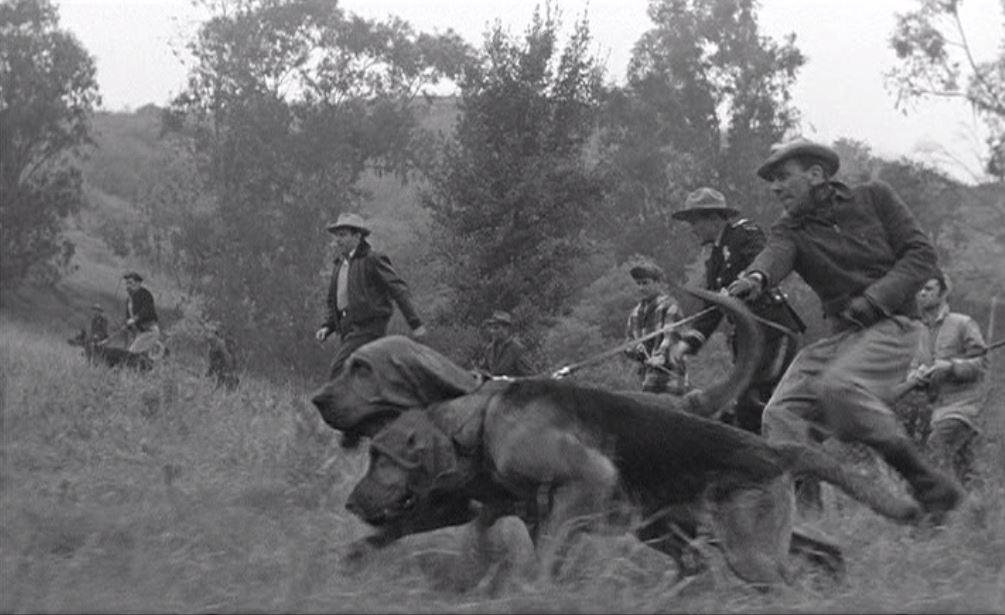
pixel 110 356
pixel 440 444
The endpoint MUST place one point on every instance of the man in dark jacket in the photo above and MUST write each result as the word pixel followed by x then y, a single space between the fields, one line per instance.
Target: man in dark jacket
pixel 865 255
pixel 363 285
pixel 141 314
pixel 735 243
pixel 503 355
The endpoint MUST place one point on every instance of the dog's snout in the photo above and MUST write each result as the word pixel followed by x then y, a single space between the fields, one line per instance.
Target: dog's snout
pixel 321 399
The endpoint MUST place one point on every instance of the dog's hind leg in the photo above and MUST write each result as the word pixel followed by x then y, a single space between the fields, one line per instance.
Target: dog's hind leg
pixel 754 526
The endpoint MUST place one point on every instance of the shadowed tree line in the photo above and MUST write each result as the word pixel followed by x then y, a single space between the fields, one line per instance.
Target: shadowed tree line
pixel 529 191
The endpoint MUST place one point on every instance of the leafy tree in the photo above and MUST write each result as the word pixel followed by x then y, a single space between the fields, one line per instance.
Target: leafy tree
pixel 937 62
pixel 706 96
pixel 288 102
pixel 47 94
pixel 514 186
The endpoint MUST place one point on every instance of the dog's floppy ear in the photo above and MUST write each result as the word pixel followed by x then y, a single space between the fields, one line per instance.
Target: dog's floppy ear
pixel 412 374
pixel 414 442
pixel 384 378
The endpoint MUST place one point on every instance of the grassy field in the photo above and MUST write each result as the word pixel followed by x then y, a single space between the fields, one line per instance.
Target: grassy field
pixel 154 493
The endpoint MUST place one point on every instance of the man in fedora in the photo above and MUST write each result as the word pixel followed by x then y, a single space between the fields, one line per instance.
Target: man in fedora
pixel 735 243
pixel 363 285
pixel 655 310
pixel 864 254
pixel 503 355
pixel 141 314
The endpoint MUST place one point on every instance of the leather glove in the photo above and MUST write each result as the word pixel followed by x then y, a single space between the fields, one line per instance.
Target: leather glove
pixel 748 287
pixel 861 312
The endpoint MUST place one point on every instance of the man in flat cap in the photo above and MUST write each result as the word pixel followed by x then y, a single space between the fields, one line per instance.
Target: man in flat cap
pixel 656 309
pixel 363 285
pixel 141 315
pixel 503 355
pixel 735 243
pixel 864 254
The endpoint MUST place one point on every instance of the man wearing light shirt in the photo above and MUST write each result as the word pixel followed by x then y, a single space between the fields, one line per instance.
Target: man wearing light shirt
pixel 363 286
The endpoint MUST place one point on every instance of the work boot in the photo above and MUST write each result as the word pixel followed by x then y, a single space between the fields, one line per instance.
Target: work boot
pixel 936 491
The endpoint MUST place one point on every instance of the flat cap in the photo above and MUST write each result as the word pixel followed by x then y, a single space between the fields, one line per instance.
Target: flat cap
pixel 646 271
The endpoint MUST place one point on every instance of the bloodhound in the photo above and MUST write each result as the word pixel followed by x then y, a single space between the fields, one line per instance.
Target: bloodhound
pixel 441 444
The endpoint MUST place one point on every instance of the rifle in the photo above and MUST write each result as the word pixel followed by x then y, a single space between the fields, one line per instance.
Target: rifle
pixel 906 387
pixel 562 372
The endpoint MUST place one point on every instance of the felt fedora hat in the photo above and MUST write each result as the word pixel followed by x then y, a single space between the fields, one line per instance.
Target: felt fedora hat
pixel 704 201
pixel 352 221
pixel 780 152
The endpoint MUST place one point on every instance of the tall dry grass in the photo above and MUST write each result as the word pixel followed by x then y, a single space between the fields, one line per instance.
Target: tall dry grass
pixel 156 492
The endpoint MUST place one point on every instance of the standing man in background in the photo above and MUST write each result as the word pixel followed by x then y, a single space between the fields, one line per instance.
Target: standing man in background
pixel 864 254
pixel 734 246
pixel 655 310
pixel 141 314
pixel 362 287
pixel 951 366
pixel 99 324
pixel 503 355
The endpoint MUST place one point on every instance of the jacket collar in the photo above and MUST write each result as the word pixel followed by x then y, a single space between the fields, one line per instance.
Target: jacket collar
pixel 939 316
pixel 725 230
pixel 359 251
pixel 827 198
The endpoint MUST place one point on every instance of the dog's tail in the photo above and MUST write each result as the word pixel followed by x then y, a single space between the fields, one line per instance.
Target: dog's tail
pixel 749 346
pixel 811 461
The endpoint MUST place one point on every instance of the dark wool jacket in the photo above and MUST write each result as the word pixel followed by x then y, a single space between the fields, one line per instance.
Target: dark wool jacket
pixel 507 357
pixel 736 247
pixel 372 285
pixel 140 305
pixel 858 241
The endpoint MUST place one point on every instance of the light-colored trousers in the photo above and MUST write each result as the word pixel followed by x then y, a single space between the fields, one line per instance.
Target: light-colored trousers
pixel 842 386
pixel 145 340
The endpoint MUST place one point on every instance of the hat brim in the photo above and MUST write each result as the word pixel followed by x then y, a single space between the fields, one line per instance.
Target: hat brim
pixel 334 227
pixel 696 212
pixel 827 157
pixel 491 322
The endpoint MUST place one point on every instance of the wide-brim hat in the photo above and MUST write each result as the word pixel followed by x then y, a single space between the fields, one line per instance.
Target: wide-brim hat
pixel 704 201
pixel 646 271
pixel 351 221
pixel 780 152
pixel 97 307
pixel 132 275
pixel 499 317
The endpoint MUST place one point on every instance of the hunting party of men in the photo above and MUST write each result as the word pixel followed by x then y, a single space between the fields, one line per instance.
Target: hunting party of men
pixel 373 306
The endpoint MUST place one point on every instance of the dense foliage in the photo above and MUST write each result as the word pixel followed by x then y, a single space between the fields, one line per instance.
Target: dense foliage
pixel 47 93
pixel 514 187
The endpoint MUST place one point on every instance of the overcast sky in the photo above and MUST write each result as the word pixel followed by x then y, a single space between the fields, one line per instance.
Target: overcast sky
pixel 840 91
